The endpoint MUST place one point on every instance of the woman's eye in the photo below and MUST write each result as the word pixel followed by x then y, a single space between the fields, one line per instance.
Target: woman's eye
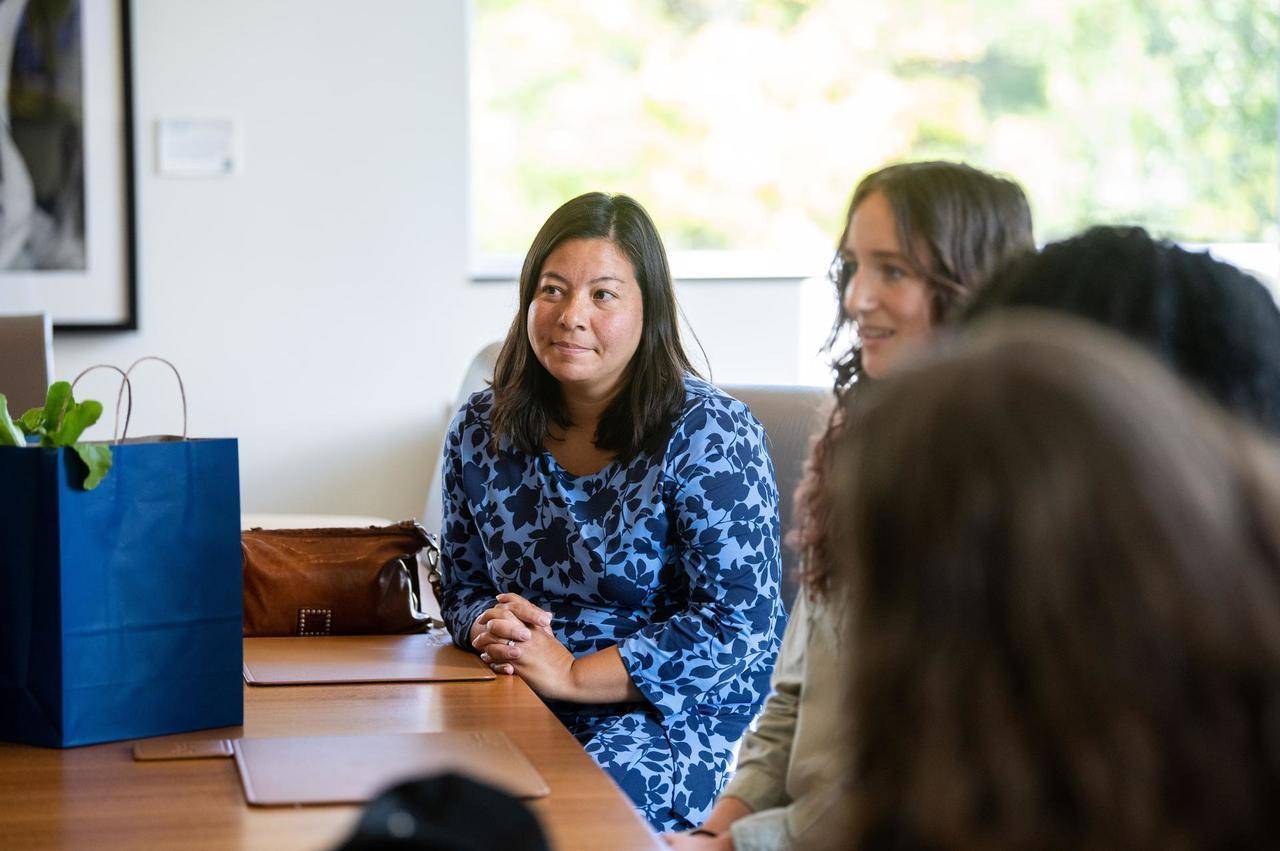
pixel 894 273
pixel 548 289
pixel 604 295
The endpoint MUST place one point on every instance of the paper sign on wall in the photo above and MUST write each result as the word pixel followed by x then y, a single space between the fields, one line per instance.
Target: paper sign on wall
pixel 195 147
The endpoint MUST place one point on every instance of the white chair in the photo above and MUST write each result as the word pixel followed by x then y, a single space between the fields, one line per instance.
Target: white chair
pixel 26 360
pixel 791 415
pixel 479 373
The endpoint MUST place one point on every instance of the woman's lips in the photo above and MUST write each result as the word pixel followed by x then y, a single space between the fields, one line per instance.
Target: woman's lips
pixel 570 348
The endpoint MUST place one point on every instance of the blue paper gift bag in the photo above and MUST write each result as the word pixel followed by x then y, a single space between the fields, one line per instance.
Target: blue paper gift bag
pixel 120 607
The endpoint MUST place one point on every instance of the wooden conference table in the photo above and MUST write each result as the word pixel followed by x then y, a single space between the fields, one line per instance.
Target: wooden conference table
pixel 98 797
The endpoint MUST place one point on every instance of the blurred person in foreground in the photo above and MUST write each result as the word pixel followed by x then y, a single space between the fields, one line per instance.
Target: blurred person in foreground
pixel 1061 568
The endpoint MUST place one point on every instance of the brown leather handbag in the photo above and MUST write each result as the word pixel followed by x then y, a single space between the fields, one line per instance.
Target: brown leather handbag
pixel 335 581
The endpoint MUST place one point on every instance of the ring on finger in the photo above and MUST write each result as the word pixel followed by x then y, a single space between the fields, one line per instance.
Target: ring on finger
pixel 511 642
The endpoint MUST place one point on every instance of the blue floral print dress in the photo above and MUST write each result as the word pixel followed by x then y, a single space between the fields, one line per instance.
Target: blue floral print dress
pixel 673 557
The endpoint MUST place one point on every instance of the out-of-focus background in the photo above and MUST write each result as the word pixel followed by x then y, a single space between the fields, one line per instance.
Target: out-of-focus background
pixel 396 157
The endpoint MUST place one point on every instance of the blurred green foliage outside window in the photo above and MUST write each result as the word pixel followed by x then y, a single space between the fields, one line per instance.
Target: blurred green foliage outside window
pixel 743 124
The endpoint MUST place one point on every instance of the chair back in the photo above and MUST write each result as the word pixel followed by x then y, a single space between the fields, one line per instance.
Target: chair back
pixel 26 360
pixel 792 416
pixel 478 375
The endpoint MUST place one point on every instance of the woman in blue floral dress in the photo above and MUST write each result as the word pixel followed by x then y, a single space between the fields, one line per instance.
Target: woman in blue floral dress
pixel 611 520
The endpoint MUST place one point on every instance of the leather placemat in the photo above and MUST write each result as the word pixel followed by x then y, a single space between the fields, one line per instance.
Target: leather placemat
pixel 313 660
pixel 353 769
pixel 171 747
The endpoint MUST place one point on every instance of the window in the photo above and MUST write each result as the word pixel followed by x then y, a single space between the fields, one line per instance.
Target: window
pixel 743 124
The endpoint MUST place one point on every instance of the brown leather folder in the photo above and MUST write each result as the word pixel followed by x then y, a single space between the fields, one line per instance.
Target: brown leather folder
pixel 359 659
pixel 172 747
pixel 353 769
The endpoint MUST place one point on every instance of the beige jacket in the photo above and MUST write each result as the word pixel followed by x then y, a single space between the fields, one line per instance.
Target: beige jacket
pixel 787 768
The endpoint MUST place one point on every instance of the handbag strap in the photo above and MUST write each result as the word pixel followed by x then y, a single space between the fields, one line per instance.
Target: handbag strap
pixel 430 559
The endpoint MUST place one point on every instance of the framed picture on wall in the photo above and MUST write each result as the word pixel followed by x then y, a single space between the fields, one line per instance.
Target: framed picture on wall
pixel 67 221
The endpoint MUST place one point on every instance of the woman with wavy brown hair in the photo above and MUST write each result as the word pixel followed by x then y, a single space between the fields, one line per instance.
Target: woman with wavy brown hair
pixel 919 238
pixel 1062 572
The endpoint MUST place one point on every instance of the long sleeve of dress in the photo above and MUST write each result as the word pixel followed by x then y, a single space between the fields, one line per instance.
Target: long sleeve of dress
pixel 467 588
pixel 765 758
pixel 716 651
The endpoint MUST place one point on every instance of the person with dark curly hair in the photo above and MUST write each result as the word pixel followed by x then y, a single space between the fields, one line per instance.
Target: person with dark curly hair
pixel 918 239
pixel 1214 325
pixel 1061 567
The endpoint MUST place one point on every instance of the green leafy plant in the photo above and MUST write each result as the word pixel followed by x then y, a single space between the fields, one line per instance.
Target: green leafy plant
pixel 60 423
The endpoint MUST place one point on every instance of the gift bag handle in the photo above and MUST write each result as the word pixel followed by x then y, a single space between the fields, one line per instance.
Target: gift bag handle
pixel 182 391
pixel 124 376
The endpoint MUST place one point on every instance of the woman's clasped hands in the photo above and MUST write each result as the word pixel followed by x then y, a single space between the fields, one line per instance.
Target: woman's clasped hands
pixel 515 637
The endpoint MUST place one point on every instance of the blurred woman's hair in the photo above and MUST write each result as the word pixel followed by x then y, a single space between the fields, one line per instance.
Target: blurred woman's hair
pixel 1062 572
pixel 1216 326
pixel 956 224
pixel 527 399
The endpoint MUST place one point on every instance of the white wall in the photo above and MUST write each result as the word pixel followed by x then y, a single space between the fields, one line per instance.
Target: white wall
pixel 317 301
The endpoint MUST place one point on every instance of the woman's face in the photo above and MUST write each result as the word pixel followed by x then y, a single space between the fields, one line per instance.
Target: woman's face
pixel 586 316
pixel 889 303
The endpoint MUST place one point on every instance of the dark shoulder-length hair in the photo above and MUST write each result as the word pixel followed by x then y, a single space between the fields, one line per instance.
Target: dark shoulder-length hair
pixel 957 225
pixel 527 400
pixel 1062 572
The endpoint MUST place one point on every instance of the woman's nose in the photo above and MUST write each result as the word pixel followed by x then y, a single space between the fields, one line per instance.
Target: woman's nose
pixel 859 295
pixel 573 312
